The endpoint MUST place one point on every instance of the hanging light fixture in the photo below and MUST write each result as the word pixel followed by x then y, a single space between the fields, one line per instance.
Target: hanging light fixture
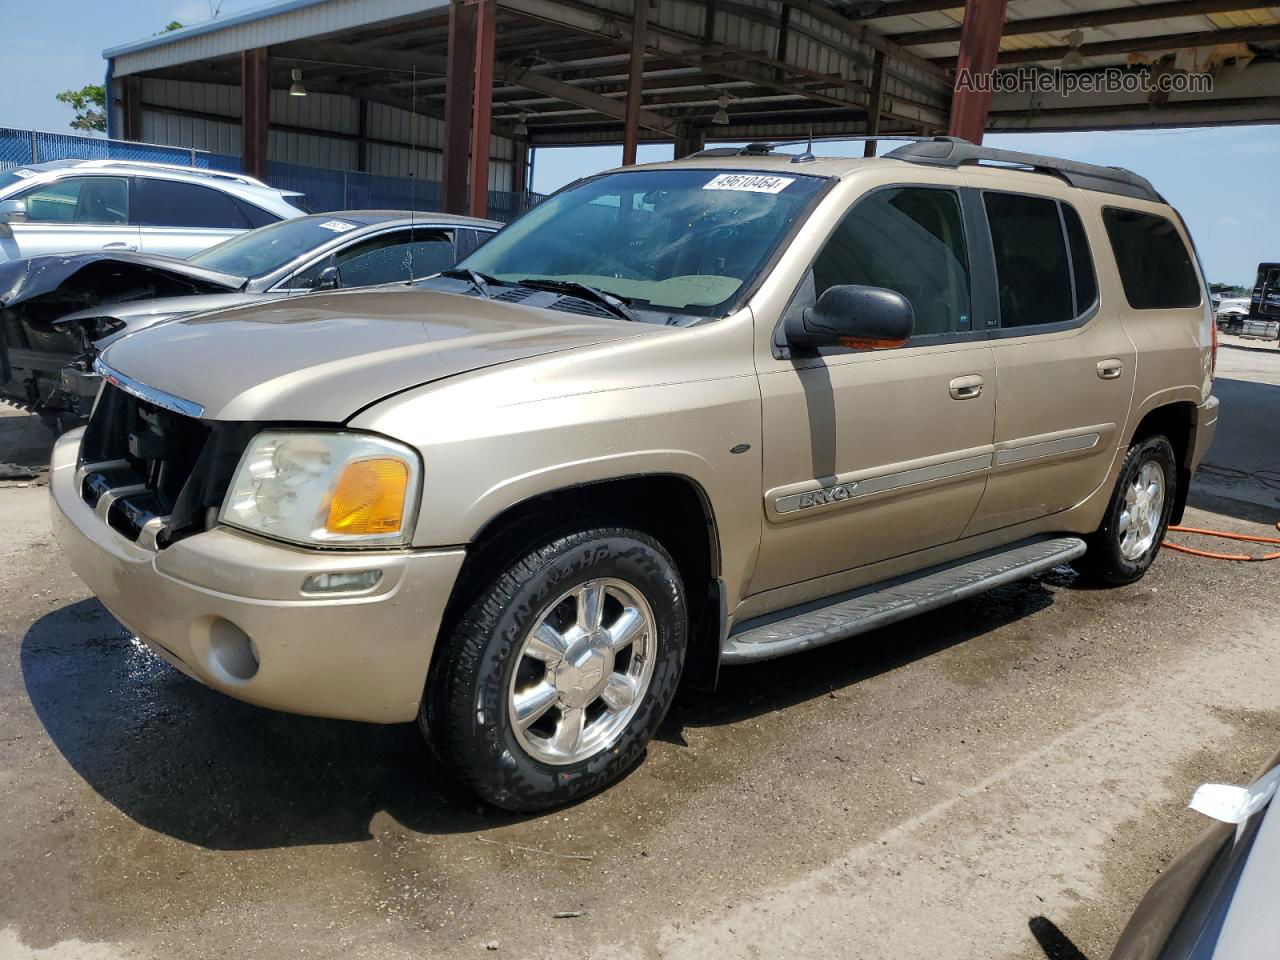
pixel 297 90
pixel 521 128
pixel 721 117
pixel 1074 59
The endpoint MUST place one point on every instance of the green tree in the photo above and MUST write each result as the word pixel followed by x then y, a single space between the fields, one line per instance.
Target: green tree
pixel 90 105
pixel 173 25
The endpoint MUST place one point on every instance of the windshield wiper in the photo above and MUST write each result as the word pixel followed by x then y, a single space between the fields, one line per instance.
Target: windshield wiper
pixel 480 281
pixel 611 302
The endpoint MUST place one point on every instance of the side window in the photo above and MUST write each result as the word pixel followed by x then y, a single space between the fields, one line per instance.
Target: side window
pixel 168 203
pixel 1033 273
pixel 1086 281
pixel 396 257
pixel 255 215
pixel 1155 267
pixel 80 200
pixel 908 239
pixel 469 241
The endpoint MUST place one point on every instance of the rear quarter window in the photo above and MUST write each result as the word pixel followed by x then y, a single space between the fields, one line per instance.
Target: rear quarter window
pixel 1155 265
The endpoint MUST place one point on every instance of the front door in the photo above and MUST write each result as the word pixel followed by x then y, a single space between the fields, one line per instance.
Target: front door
pixel 1064 374
pixel 76 214
pixel 874 454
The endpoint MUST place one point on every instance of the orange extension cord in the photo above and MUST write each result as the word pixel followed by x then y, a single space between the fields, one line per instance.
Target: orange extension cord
pixel 1182 548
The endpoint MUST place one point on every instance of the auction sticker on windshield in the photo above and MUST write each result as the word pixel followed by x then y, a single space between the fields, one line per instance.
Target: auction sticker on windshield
pixel 338 226
pixel 750 182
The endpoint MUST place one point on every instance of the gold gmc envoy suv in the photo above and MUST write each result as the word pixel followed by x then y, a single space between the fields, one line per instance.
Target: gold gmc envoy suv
pixel 677 416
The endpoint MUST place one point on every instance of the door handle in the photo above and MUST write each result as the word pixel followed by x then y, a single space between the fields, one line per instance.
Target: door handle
pixel 120 246
pixel 1110 369
pixel 966 388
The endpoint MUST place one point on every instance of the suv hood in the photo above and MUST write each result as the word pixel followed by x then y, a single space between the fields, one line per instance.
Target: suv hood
pixel 323 357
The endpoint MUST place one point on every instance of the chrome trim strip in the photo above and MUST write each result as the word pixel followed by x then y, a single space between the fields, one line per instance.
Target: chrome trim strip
pixel 105 501
pixel 150 394
pixel 148 536
pixel 85 469
pixel 856 489
pixel 1047 448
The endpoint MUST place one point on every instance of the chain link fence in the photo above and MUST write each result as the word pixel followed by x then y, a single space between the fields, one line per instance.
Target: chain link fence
pixel 325 190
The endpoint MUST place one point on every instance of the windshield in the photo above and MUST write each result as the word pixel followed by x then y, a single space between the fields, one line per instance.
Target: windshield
pixel 269 248
pixel 684 241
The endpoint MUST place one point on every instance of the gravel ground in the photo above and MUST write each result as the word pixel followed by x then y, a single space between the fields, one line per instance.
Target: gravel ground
pixel 1001 779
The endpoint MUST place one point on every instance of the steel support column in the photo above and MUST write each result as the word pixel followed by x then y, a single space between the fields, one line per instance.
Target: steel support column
pixel 979 48
pixel 520 167
pixel 874 103
pixel 460 70
pixel 255 107
pixel 689 140
pixel 131 94
pixel 635 81
pixel 482 108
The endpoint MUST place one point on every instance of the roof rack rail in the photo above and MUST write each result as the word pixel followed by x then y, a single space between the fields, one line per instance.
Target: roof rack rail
pixel 153 165
pixel 954 151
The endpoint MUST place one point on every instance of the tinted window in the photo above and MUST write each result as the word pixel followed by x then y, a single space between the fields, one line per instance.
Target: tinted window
pixel 390 258
pixel 1032 271
pixel 1155 267
pixel 256 216
pixel 1086 282
pixel 394 258
pixel 80 200
pixel 470 240
pixel 167 203
pixel 908 239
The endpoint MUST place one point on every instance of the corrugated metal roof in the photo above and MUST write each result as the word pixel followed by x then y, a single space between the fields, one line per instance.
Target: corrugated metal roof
pixel 260 27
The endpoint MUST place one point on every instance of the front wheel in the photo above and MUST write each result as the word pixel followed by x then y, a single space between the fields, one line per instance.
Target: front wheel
pixel 1126 543
pixel 560 672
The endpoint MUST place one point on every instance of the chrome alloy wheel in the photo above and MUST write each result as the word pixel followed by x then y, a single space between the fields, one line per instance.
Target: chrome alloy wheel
pixel 1143 508
pixel 582 671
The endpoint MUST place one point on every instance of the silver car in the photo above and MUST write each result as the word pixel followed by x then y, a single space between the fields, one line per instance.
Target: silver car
pixel 65 206
pixel 56 311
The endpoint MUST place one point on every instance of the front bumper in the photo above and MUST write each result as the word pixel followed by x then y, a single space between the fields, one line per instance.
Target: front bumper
pixel 228 610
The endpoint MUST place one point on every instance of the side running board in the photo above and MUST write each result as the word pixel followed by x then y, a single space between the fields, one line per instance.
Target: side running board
pixel 848 614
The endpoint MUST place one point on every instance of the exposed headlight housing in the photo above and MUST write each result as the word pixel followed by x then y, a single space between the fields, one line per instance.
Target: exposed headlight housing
pixel 333 489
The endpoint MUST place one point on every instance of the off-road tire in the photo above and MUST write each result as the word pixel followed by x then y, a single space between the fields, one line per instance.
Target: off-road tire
pixel 465 709
pixel 1104 563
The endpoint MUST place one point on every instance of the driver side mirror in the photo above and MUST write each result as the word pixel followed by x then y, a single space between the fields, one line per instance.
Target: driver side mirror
pixel 13 211
pixel 852 315
pixel 328 279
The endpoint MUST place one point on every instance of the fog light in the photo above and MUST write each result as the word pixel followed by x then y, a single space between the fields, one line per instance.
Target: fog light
pixel 349 582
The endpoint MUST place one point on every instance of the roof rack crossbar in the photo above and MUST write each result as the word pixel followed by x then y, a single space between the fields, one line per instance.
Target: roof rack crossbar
pixel 953 152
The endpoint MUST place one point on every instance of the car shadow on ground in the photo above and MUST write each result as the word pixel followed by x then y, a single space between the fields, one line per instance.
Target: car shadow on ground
pixel 194 764
pixel 752 690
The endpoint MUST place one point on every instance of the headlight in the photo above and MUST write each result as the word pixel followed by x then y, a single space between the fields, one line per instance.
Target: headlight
pixel 331 489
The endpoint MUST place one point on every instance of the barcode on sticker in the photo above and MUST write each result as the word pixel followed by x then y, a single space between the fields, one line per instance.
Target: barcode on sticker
pixel 750 182
pixel 338 226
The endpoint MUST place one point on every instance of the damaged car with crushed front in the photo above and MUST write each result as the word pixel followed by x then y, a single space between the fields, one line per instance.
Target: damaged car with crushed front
pixel 674 418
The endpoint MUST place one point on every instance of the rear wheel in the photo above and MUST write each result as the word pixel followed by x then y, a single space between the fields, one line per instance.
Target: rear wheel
pixel 1126 543
pixel 560 672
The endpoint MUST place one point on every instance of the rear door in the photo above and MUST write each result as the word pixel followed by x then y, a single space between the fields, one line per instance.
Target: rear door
pixel 74 214
pixel 178 219
pixel 1064 366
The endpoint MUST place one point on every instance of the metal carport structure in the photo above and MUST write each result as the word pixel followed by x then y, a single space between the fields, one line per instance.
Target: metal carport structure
pixel 419 87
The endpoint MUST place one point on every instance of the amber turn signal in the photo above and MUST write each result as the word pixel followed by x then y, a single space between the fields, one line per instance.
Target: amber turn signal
pixel 369 497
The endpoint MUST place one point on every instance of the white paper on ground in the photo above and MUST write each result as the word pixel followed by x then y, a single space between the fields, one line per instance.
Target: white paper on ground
pixel 1232 804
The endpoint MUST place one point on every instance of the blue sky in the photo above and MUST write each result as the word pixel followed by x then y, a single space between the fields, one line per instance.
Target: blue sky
pixel 1225 181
